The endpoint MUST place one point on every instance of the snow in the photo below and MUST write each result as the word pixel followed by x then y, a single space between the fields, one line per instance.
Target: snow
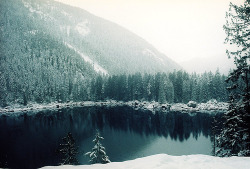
pixel 163 161
pixel 209 107
pixel 82 28
pixel 32 10
pixel 27 5
pixel 148 52
pixel 66 14
pixel 97 67
pixel 68 30
pixel 33 32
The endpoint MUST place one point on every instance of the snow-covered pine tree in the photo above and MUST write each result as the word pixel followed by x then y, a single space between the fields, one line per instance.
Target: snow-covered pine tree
pixel 235 137
pixel 98 154
pixel 169 91
pixel 162 90
pixel 68 150
pixel 214 132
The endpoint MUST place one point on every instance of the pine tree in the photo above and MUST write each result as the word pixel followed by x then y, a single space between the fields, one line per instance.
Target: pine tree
pixel 186 91
pixel 98 154
pixel 235 137
pixel 68 150
pixel 214 131
pixel 162 89
pixel 169 91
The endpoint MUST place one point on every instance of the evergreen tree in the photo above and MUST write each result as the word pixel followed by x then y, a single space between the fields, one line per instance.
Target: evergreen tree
pixel 235 137
pixel 217 90
pixel 162 90
pixel 186 91
pixel 169 91
pixel 68 150
pixel 214 131
pixel 98 154
pixel 195 96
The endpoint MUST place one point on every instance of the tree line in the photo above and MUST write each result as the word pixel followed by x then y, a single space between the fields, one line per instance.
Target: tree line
pixel 177 86
pixel 234 139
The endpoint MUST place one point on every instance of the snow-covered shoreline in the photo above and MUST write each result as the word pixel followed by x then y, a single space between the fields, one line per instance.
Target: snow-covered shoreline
pixel 163 161
pixel 209 107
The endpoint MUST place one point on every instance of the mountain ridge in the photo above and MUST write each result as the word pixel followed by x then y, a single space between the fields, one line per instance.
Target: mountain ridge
pixel 115 48
pixel 46 57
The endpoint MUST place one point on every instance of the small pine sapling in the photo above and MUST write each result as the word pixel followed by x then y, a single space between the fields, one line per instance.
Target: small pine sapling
pixel 68 150
pixel 98 154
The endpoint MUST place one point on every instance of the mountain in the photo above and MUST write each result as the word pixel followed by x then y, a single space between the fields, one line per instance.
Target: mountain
pixel 104 43
pixel 50 51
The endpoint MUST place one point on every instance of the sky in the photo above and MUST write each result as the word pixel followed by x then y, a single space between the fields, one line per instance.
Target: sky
pixel 190 32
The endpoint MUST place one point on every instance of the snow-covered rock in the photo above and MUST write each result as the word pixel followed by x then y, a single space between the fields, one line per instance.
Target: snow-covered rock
pixel 83 28
pixel 192 104
pixel 209 107
pixel 163 161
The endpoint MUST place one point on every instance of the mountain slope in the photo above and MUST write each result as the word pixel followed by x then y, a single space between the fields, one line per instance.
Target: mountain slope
pixel 34 66
pixel 50 52
pixel 112 47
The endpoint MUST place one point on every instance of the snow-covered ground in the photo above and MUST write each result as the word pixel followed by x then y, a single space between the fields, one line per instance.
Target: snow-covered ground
pixel 33 10
pixel 209 107
pixel 83 28
pixel 148 52
pixel 163 161
pixel 98 68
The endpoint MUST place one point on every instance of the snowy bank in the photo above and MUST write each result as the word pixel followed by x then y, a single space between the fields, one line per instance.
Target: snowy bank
pixel 163 161
pixel 211 106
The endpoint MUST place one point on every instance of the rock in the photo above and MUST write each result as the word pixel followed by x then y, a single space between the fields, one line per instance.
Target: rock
pixel 136 103
pixel 192 104
pixel 165 107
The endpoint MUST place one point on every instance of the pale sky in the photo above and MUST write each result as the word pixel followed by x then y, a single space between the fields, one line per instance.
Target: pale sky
pixel 188 31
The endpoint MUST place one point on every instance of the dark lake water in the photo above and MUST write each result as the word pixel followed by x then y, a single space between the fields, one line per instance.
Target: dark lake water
pixel 30 140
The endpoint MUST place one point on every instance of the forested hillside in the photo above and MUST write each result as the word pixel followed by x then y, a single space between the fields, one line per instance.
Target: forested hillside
pixel 103 43
pixel 54 52
pixel 50 52
pixel 34 66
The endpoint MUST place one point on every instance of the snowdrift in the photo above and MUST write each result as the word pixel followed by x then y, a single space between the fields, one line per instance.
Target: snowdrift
pixel 211 106
pixel 163 161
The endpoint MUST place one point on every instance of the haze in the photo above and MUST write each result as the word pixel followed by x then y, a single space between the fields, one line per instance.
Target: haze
pixel 188 31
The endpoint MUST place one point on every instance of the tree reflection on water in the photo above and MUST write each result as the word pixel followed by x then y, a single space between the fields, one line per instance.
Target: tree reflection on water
pixel 29 140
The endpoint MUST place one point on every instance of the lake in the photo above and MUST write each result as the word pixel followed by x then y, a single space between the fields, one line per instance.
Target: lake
pixel 31 139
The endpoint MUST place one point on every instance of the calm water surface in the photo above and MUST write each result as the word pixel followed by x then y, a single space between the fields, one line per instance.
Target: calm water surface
pixel 30 140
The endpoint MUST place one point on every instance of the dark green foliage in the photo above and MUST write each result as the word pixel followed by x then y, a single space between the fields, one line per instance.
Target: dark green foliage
pixel 215 130
pixel 160 87
pixel 68 150
pixel 35 66
pixel 234 139
pixel 98 154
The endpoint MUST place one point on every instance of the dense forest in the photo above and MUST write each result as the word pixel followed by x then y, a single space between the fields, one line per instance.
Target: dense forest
pixel 174 87
pixel 178 86
pixel 42 48
pixel 36 65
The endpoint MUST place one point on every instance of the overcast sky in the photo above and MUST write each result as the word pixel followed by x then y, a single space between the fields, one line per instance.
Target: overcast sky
pixel 188 31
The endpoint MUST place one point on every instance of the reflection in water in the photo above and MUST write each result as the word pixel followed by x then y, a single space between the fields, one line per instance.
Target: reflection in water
pixel 29 140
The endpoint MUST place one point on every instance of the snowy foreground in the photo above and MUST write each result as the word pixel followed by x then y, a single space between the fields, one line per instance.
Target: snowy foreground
pixel 163 161
pixel 211 106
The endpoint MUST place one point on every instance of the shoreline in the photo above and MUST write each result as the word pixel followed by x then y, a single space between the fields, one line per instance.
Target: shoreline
pixel 208 107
